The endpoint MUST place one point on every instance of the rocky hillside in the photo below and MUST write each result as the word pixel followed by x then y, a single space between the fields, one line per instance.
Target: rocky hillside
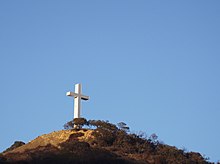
pixel 54 139
pixel 65 146
pixel 105 143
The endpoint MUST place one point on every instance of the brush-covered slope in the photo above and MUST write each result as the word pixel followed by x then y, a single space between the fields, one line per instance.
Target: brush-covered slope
pixel 105 143
pixel 65 146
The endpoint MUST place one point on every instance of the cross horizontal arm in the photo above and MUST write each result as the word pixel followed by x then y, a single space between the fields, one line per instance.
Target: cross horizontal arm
pixel 84 97
pixel 72 94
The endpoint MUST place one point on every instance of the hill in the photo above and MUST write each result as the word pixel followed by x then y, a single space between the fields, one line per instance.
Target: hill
pixel 104 143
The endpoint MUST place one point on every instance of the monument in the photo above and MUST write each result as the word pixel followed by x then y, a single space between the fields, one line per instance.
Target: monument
pixel 77 95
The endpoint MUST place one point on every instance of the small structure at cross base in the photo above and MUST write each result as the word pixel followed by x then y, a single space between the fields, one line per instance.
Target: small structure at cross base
pixel 77 95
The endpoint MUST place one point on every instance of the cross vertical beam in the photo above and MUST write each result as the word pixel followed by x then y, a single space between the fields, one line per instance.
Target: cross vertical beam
pixel 77 101
pixel 77 95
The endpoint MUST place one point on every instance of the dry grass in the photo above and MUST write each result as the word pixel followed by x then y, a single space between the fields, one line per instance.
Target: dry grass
pixel 55 139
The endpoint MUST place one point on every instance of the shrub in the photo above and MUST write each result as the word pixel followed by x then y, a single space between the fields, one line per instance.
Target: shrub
pixel 75 146
pixel 15 145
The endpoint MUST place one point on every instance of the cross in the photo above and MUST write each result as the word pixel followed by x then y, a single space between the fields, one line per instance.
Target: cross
pixel 77 99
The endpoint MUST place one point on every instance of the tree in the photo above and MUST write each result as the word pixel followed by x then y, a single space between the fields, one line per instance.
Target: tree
pixel 76 123
pixel 123 126
pixel 153 138
pixel 103 125
pixel 104 133
pixel 69 125
pixel 79 122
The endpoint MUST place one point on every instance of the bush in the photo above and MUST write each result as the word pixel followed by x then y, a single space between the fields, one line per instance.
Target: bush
pixel 137 146
pixel 105 132
pixel 103 137
pixel 15 145
pixel 75 146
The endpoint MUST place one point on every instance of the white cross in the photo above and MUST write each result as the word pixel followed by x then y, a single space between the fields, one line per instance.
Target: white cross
pixel 77 99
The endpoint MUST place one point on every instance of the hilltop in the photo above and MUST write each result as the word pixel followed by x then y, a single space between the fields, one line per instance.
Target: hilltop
pixel 103 143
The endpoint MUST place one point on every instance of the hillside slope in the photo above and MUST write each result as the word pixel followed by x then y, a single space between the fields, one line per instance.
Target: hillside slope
pixel 107 143
pixel 65 146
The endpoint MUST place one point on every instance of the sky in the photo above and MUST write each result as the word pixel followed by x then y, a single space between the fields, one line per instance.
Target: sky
pixel 154 65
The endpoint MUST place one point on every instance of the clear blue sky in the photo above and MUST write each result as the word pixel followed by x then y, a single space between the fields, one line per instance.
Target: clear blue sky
pixel 152 64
